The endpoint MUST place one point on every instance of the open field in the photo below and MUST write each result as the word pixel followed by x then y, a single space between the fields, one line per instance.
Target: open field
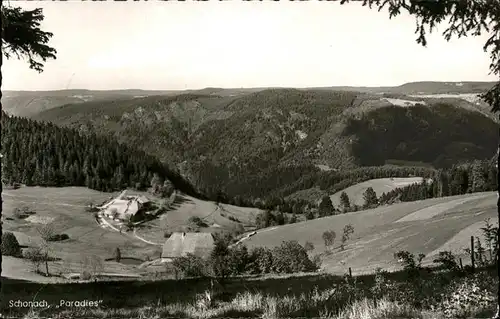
pixel 64 208
pixel 426 227
pixel 379 185
pixel 217 218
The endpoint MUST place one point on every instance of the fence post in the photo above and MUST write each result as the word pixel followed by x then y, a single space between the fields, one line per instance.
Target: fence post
pixel 461 265
pixel 472 253
pixel 350 272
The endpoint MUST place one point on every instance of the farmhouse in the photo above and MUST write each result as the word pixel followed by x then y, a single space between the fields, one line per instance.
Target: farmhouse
pixel 123 207
pixel 181 244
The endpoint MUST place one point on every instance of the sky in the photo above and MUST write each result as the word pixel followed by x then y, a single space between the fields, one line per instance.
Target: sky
pixel 192 45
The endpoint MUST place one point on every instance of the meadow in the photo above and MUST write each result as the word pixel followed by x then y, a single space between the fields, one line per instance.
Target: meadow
pixel 379 185
pixel 426 226
pixel 65 210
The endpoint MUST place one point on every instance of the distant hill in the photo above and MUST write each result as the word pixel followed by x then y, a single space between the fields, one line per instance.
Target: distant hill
pixel 422 87
pixel 262 142
pixel 29 103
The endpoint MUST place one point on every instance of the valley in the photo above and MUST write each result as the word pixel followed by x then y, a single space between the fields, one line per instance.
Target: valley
pixel 254 168
pixel 273 142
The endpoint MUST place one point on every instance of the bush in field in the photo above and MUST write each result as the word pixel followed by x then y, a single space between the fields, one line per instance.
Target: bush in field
pixel 408 260
pixel 291 257
pixel 260 261
pixel 220 257
pixel 308 246
pixel 238 260
pixel 58 237
pixel 447 261
pixel 197 221
pixel 329 238
pixel 191 266
pixel 382 286
pixel 22 213
pixel 10 245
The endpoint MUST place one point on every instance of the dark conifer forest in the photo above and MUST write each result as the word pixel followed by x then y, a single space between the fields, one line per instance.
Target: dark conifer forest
pixel 43 154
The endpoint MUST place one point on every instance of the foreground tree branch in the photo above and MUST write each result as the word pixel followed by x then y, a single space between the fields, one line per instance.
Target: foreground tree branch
pixel 23 38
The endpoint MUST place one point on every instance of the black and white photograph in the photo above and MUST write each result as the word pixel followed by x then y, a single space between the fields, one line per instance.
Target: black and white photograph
pixel 250 159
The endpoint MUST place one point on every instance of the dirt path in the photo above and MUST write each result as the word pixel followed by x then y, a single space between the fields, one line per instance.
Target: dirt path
pixel 144 240
pixel 107 224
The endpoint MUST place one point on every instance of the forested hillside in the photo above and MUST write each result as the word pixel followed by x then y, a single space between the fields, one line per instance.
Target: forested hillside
pixel 270 143
pixel 441 135
pixel 44 154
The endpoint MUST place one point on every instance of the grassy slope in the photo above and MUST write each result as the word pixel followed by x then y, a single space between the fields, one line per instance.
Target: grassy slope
pixel 380 232
pixel 65 206
pixel 379 185
pixel 216 217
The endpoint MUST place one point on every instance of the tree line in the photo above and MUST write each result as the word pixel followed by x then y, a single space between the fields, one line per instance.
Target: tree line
pixel 43 154
pixel 225 260
pixel 471 177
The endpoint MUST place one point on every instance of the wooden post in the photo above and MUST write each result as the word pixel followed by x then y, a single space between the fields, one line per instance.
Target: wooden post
pixel 472 253
pixel 461 265
pixel 350 272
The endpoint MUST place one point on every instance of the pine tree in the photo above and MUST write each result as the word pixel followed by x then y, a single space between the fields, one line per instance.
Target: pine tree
pixel 325 207
pixel 370 198
pixel 345 202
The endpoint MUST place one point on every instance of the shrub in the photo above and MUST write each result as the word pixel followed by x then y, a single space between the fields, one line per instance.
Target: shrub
pixel 191 266
pixel 10 245
pixel 261 261
pixel 317 261
pixel 238 260
pixel 382 286
pixel 447 261
pixel 308 246
pixel 197 221
pixel 410 264
pixel 234 219
pixel 329 238
pixel 467 297
pixel 22 213
pixel 291 257
pixel 58 237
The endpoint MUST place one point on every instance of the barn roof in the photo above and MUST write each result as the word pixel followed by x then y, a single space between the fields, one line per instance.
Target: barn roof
pixel 142 199
pixel 181 244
